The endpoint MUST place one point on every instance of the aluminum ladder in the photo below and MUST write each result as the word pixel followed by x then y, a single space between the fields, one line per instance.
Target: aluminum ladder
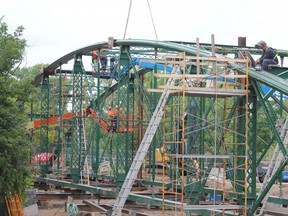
pixel 142 150
pixel 81 136
pixel 275 162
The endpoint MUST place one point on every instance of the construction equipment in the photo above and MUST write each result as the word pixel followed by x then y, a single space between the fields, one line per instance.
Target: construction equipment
pixel 161 155
pixel 93 115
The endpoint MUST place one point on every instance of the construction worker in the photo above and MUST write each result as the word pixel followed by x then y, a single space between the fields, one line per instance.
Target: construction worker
pixel 94 55
pixel 112 64
pixel 269 56
pixel 120 112
pixel 113 116
pixel 95 58
pixel 103 59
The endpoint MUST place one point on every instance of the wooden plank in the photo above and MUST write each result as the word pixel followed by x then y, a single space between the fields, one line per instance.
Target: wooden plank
pixel 197 54
pixel 209 59
pixel 161 90
pixel 199 156
pixel 201 93
pixel 217 59
pixel 212 94
pixel 213 207
pixel 179 55
pixel 203 89
pixel 229 83
pixel 168 63
pixel 214 67
pixel 203 76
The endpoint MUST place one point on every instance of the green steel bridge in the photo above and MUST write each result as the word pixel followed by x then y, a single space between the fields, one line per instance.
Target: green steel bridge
pixel 200 130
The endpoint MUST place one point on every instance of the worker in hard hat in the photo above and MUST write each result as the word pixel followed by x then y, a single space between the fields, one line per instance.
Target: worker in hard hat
pixel 269 55
pixel 95 54
pixel 113 117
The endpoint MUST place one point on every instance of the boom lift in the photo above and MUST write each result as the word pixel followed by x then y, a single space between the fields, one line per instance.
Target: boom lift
pixel 95 117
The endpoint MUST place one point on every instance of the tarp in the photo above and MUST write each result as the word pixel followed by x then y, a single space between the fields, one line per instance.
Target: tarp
pixel 41 158
pixel 277 94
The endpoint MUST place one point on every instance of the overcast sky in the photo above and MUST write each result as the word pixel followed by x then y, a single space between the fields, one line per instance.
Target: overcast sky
pixel 56 27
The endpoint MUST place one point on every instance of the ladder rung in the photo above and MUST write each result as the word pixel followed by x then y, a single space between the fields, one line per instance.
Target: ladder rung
pixel 237 193
pixel 198 156
pixel 172 142
pixel 238 156
pixel 239 169
pixel 243 181
pixel 173 193
pixel 235 143
pixel 215 207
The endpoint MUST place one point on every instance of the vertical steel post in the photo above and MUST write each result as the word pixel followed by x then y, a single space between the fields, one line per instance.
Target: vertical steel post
pixel 77 160
pixel 44 130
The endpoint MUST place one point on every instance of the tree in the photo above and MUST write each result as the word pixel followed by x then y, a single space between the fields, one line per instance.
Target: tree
pixel 14 143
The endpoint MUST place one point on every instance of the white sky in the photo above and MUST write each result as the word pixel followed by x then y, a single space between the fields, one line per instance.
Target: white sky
pixel 56 27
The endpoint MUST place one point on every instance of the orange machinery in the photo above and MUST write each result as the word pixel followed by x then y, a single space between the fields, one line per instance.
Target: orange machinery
pixel 93 115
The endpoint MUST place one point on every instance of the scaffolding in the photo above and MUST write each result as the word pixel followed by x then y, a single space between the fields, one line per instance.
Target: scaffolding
pixel 190 165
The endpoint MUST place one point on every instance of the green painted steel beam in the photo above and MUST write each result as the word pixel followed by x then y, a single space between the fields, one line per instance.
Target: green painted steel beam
pixel 252 140
pixel 114 88
pixel 232 49
pixel 270 117
pixel 266 78
pixel 278 200
pixel 78 144
pixel 44 129
pixel 283 162
pixel 205 212
pixel 108 192
pixel 263 77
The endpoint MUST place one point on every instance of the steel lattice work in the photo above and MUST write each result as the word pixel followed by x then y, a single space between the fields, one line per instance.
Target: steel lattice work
pixel 95 122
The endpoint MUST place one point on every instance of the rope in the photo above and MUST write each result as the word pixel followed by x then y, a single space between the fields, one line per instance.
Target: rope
pixel 130 5
pixel 152 20
pixel 128 16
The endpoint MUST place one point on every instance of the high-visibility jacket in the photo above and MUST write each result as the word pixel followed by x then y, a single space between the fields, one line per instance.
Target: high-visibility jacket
pixel 271 54
pixel 111 113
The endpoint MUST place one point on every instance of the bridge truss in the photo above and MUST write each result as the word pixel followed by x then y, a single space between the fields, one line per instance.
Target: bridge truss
pixel 208 136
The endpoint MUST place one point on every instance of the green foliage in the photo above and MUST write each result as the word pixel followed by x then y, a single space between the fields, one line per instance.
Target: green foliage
pixel 13 137
pixel 14 144
pixel 12 48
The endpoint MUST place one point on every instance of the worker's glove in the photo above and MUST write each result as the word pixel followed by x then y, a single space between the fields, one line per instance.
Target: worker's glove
pixel 258 67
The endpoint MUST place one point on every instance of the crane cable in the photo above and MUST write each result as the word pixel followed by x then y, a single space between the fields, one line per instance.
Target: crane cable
pixel 128 16
pixel 152 20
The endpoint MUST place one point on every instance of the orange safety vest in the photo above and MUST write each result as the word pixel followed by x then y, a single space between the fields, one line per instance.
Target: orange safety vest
pixel 95 53
pixel 112 113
